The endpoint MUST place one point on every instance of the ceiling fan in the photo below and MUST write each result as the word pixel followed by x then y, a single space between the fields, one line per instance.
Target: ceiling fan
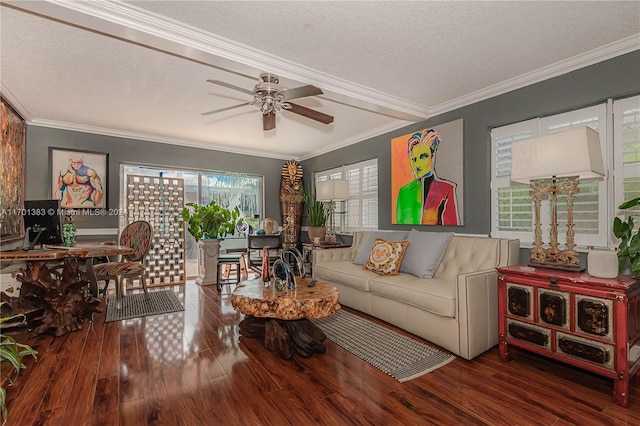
pixel 271 98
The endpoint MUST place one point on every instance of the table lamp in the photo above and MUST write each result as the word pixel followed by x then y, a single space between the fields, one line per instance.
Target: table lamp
pixel 552 165
pixel 330 191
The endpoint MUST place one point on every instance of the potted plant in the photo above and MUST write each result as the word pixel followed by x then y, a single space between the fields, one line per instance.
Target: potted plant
pixel 316 215
pixel 11 354
pixel 209 224
pixel 629 248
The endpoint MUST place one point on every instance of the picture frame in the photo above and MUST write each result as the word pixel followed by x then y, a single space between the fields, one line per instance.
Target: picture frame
pixel 79 179
pixel 430 158
pixel 12 172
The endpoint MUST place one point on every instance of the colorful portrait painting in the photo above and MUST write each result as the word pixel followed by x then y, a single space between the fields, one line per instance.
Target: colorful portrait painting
pixel 427 176
pixel 78 178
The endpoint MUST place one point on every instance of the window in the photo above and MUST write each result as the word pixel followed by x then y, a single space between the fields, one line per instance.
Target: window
pixel 511 206
pixel 360 212
pixel 626 141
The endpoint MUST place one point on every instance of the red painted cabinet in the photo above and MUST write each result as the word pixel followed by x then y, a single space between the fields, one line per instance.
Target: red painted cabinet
pixel 591 323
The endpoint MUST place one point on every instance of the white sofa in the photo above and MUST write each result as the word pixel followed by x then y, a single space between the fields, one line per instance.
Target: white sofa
pixel 457 309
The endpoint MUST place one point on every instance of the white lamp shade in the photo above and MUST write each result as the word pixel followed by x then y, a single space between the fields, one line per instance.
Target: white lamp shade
pixel 332 190
pixel 574 152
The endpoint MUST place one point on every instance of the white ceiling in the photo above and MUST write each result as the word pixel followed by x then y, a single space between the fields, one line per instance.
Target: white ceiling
pixel 139 68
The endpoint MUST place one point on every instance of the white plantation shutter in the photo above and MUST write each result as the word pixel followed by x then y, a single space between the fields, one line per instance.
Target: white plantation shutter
pixel 626 139
pixel 360 212
pixel 512 207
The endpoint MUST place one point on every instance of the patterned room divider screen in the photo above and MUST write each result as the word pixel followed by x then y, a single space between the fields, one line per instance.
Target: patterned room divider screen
pixel 160 201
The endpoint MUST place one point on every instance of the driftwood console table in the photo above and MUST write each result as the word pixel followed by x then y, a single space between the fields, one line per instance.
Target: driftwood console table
pixel 55 294
pixel 280 317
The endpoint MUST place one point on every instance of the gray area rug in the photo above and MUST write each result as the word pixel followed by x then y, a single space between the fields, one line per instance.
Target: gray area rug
pixel 137 305
pixel 397 355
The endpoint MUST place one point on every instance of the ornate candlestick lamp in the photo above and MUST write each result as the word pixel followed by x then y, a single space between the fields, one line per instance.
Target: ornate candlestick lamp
pixel 329 192
pixel 553 165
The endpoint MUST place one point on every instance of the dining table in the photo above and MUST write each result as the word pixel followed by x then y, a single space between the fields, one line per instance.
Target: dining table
pixel 59 289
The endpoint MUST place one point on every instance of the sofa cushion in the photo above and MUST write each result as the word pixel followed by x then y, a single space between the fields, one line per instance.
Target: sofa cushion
pixel 386 256
pixel 434 295
pixel 365 249
pixel 424 252
pixel 343 273
pixel 467 254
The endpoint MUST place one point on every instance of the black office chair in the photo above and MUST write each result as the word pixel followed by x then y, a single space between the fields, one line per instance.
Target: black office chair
pixel 255 246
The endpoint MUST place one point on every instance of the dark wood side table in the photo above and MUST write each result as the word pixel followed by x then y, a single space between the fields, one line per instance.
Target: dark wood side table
pixel 591 323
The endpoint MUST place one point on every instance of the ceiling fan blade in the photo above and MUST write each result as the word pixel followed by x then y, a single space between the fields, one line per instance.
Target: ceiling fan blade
pixel 225 109
pixel 310 113
pixel 231 86
pixel 269 121
pixel 301 92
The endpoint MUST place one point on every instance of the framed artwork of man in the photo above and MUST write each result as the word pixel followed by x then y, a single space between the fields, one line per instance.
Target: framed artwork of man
pixel 427 176
pixel 79 178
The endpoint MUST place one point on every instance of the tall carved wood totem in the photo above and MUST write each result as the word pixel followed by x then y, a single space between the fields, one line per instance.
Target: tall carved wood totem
pixel 291 202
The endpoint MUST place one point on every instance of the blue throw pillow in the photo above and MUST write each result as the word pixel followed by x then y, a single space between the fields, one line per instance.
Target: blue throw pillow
pixel 424 252
pixel 367 244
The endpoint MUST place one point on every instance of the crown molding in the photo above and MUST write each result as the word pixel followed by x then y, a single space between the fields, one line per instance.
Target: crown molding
pixel 611 50
pixel 371 133
pixel 153 138
pixel 15 103
pixel 129 22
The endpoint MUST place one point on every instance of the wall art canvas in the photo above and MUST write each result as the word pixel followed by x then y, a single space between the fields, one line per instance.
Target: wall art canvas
pixel 427 185
pixel 12 159
pixel 79 178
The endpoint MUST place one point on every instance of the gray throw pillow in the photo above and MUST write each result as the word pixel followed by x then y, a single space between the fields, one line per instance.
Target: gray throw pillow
pixel 424 252
pixel 367 244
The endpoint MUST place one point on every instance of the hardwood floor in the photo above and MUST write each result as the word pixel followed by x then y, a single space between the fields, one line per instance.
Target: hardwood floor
pixel 192 368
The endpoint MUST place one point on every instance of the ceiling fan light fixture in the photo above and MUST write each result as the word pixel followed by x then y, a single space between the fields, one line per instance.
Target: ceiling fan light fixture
pixel 271 98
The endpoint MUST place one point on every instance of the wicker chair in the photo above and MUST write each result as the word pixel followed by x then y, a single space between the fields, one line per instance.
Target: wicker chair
pixel 136 235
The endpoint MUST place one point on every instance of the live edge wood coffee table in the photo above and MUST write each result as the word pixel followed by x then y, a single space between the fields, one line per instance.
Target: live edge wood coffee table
pixel 280 317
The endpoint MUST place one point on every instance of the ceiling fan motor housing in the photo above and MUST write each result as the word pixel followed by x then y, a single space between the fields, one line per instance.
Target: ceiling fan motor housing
pixel 271 98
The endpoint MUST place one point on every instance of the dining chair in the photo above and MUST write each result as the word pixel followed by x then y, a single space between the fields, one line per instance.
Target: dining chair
pixel 255 245
pixel 136 235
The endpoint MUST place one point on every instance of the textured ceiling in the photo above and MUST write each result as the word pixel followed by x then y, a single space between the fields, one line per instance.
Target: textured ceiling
pixel 139 69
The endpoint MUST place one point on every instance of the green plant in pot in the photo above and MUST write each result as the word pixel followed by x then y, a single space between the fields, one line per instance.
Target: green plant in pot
pixel 11 354
pixel 210 221
pixel 209 224
pixel 629 248
pixel 316 215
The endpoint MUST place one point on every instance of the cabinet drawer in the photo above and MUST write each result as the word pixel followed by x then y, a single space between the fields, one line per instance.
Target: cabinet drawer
pixel 597 353
pixel 529 333
pixel 594 316
pixel 520 300
pixel 554 307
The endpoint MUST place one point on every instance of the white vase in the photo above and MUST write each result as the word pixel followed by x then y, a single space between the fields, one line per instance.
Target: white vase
pixel 208 262
pixel 602 263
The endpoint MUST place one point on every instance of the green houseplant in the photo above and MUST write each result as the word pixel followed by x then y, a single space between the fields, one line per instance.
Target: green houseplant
pixel 11 353
pixel 210 221
pixel 316 215
pixel 209 224
pixel 629 249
